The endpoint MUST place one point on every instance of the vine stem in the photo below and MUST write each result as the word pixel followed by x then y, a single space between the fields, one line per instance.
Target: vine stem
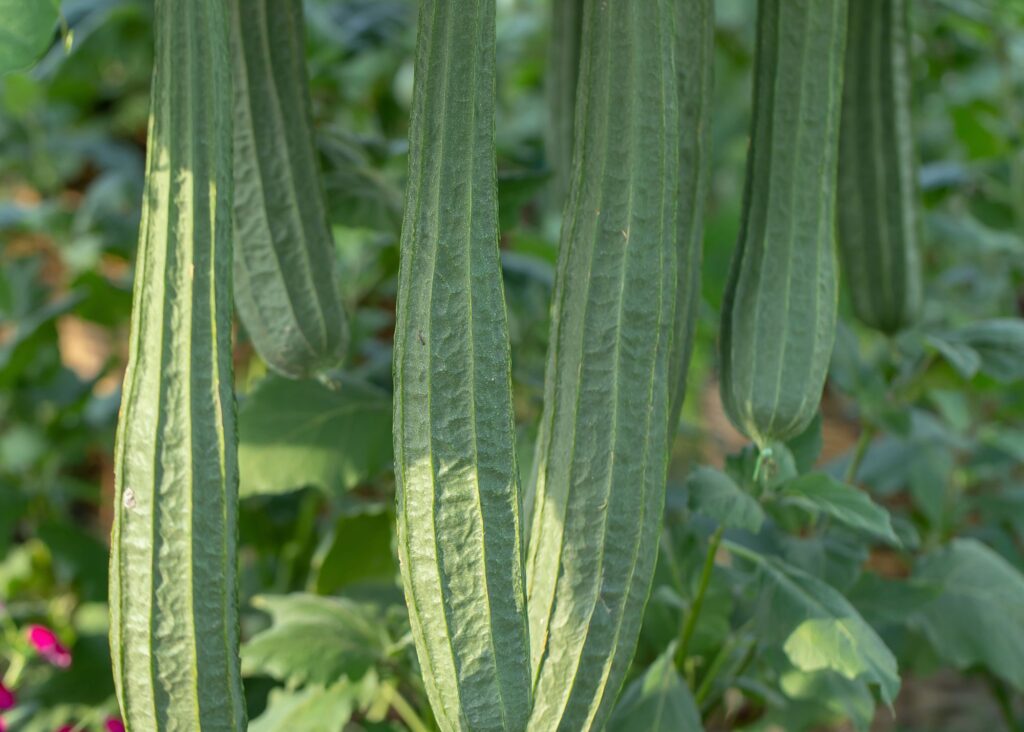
pixel 407 714
pixel 867 433
pixel 705 579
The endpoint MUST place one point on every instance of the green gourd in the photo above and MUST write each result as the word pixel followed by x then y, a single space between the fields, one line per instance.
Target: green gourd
pixel 600 466
pixel 173 579
pixel 459 534
pixel 695 55
pixel 560 88
pixel 285 288
pixel 878 221
pixel 779 312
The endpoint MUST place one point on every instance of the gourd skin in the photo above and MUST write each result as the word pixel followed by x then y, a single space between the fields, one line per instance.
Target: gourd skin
pixel 173 580
pixel 695 50
pixel 285 290
pixel 779 311
pixel 878 220
pixel 459 534
pixel 561 86
pixel 600 466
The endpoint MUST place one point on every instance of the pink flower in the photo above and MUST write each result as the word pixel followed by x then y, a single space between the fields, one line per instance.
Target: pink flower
pixel 49 647
pixel 114 724
pixel 3 725
pixel 67 728
pixel 7 699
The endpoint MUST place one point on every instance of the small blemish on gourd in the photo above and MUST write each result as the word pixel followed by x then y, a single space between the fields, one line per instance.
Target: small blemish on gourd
pixel 128 499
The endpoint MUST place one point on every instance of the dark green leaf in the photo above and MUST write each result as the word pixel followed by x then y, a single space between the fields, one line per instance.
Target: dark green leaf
pixel 359 549
pixel 979 616
pixel 818 628
pixel 716 495
pixel 806 447
pixel 1000 343
pixel 301 433
pixel 959 355
pixel 821 493
pixel 27 30
pixel 658 701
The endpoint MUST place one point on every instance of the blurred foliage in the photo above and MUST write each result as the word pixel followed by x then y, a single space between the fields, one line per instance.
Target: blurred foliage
pixel 927 563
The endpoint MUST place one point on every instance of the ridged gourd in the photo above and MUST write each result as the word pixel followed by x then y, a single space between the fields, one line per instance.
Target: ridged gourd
pixel 779 310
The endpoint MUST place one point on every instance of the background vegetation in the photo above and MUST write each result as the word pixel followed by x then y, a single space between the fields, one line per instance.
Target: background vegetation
pixel 934 419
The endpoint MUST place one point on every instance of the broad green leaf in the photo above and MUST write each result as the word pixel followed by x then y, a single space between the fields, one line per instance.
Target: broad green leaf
pixel 356 194
pixel 359 549
pixel 884 601
pixel 311 709
pixel 979 616
pixel 658 701
pixel 27 29
pixel 314 640
pixel 819 700
pixel 964 359
pixel 716 495
pixel 294 434
pixel 1005 439
pixel 929 473
pixel 1000 344
pixel 818 628
pixel 821 493
pixel 806 447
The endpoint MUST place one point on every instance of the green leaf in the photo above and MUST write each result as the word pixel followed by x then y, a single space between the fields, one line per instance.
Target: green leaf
pixel 27 30
pixel 824 696
pixel 294 434
pixel 978 617
pixel 312 709
pixel 818 628
pixel 806 447
pixel 821 493
pixel 658 701
pixel 359 549
pixel 716 495
pixel 314 640
pixel 1000 344
pixel 964 359
pixel 357 195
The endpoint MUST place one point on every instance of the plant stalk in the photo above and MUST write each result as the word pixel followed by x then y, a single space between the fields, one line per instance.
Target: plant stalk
pixel 867 433
pixel 705 578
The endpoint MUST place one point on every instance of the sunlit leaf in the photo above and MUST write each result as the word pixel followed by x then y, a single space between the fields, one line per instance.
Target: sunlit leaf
pixel 26 31
pixel 294 434
pixel 818 628
pixel 314 640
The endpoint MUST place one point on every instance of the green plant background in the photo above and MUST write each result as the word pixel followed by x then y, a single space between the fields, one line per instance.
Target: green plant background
pixel 805 589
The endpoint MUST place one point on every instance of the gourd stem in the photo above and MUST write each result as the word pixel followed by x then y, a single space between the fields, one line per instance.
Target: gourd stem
pixel 705 578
